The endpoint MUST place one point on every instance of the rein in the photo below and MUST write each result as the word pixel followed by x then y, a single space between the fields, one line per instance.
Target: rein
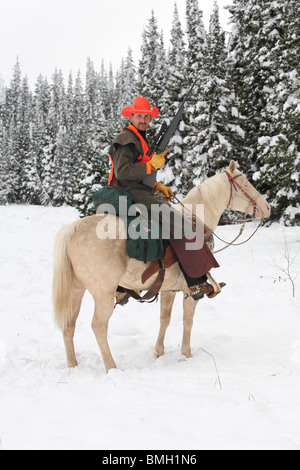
pixel 228 244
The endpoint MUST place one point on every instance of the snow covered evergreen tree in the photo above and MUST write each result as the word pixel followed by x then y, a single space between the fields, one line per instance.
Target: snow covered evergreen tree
pixel 37 165
pixel 255 33
pixel 197 40
pixel 149 56
pixel 4 157
pixel 152 71
pixel 174 94
pixel 126 82
pixel 12 143
pixel 79 130
pixel 125 90
pixel 24 130
pixel 278 145
pixel 197 43
pixel 93 168
pixel 217 116
pixel 60 163
pixel 105 90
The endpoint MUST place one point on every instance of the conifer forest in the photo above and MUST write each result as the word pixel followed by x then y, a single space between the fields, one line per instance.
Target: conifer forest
pixel 55 138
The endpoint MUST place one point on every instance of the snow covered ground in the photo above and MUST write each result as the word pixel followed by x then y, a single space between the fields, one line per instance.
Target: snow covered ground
pixel 252 329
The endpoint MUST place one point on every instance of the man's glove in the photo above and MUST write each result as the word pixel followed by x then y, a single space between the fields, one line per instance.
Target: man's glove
pixel 167 192
pixel 158 160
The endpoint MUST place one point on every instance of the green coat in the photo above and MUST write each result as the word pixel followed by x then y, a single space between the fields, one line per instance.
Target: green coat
pixel 130 174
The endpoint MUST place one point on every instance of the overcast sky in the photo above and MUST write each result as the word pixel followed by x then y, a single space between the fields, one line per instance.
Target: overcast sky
pixel 49 34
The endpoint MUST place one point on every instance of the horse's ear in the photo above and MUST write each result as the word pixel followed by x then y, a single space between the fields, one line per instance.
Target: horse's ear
pixel 232 166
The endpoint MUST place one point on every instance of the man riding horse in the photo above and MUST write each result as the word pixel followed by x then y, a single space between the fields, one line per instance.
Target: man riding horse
pixel 131 164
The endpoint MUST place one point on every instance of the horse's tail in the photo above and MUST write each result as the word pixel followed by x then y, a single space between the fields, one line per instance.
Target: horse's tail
pixel 63 277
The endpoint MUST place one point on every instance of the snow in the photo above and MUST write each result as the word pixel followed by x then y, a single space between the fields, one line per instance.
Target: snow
pixel 252 329
pixel 234 111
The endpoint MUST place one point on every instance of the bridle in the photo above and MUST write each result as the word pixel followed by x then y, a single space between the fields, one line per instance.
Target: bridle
pixel 235 185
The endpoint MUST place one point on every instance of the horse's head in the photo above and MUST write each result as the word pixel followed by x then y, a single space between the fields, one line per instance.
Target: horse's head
pixel 243 196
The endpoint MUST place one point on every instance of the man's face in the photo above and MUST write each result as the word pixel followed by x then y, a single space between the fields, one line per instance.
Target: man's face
pixel 140 121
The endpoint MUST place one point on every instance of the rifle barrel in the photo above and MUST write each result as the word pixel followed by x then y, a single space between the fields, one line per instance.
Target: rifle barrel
pixel 163 141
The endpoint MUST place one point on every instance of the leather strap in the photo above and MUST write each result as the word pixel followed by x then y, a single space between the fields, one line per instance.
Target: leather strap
pixel 169 259
pixel 153 292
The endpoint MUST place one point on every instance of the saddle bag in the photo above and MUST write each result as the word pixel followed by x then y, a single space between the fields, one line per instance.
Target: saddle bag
pixel 143 247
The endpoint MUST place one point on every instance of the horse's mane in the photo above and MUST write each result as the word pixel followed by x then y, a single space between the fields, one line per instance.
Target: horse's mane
pixel 211 194
pixel 190 197
pixel 208 190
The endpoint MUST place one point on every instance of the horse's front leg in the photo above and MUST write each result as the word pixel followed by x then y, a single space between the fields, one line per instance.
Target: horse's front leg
pixel 189 306
pixel 104 306
pixel 166 304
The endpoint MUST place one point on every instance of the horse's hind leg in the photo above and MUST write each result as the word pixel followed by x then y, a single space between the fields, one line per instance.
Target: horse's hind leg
pixel 68 332
pixel 189 306
pixel 166 304
pixel 104 306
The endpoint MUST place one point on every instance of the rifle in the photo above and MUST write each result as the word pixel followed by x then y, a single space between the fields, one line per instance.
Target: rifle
pixel 165 134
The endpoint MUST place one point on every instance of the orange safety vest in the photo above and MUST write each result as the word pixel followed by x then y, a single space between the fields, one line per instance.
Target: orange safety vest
pixel 143 158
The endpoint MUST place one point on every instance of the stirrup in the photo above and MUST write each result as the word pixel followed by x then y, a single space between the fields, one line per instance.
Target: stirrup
pixel 122 298
pixel 198 292
pixel 214 293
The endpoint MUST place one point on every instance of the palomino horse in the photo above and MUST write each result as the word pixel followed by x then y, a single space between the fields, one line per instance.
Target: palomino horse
pixel 83 261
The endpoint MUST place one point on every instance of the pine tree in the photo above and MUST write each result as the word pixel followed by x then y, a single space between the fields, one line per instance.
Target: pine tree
pixel 176 64
pixel 65 157
pixel 278 145
pixel 79 131
pixel 12 167
pixel 58 169
pixel 105 90
pixel 4 160
pixel 197 43
pixel 125 91
pixel 93 170
pixel 37 165
pixel 25 139
pixel 219 127
pixel 152 72
pixel 149 57
pixel 90 89
pixel 126 82
pixel 256 28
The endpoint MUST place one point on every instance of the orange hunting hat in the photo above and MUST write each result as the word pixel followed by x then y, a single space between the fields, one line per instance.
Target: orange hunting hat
pixel 140 105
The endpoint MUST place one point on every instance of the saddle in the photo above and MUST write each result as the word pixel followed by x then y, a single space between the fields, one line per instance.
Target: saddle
pixel 175 252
